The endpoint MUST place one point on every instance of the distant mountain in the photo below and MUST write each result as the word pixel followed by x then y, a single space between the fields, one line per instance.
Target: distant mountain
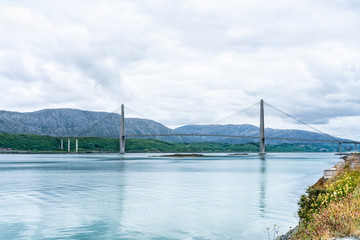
pixel 242 130
pixel 248 130
pixel 74 122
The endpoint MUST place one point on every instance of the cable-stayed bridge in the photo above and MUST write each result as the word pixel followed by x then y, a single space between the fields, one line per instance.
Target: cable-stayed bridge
pixel 262 134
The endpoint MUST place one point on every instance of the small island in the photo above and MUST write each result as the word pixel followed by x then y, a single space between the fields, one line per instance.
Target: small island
pixel 182 155
pixel 238 154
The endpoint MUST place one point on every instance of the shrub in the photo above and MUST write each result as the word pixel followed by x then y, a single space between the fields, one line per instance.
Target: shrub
pixel 331 211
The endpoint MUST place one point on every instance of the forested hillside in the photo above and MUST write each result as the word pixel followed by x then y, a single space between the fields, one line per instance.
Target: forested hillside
pixel 27 142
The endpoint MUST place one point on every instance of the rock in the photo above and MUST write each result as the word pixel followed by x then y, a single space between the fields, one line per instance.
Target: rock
pixel 181 155
pixel 237 154
pixel 288 235
pixel 329 173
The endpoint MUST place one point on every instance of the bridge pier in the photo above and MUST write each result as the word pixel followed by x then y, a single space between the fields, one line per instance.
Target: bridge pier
pixel 68 144
pixel 76 145
pixel 340 148
pixel 61 144
pixel 262 129
pixel 355 147
pixel 122 131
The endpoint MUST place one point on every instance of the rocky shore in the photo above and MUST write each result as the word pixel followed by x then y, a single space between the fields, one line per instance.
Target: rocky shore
pixel 351 162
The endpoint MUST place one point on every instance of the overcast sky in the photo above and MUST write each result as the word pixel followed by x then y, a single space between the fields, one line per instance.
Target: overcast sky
pixel 181 62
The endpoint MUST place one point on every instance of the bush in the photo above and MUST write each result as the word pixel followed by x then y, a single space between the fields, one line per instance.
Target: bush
pixel 331 211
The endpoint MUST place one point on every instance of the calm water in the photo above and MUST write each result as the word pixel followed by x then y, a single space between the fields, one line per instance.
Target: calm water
pixel 142 197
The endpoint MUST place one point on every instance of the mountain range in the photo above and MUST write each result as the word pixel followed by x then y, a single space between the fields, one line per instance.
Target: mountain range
pixel 73 122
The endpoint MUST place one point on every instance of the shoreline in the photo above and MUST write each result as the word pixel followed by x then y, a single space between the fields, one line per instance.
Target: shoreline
pixel 350 162
pixel 49 152
pixel 171 152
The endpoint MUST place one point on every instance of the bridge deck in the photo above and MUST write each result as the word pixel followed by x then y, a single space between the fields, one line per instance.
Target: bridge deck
pixel 217 135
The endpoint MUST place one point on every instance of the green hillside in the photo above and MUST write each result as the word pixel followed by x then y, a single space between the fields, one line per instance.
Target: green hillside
pixel 27 142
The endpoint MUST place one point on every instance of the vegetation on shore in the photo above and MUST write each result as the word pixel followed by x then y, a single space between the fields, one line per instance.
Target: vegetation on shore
pixel 28 142
pixel 331 209
pixel 37 143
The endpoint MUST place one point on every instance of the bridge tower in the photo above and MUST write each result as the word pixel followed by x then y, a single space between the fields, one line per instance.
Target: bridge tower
pixel 122 131
pixel 262 129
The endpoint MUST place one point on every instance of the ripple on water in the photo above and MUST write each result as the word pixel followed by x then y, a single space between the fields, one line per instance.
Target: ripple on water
pixel 137 197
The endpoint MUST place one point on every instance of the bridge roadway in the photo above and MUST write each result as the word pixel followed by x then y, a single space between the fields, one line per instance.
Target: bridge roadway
pixel 216 135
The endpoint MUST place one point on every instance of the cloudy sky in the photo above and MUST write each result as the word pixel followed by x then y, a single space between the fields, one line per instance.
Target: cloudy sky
pixel 181 62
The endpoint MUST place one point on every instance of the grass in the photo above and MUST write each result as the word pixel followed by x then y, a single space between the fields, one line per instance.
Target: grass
pixel 332 209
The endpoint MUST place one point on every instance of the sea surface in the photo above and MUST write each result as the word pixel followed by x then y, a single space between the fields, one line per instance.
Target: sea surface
pixel 139 196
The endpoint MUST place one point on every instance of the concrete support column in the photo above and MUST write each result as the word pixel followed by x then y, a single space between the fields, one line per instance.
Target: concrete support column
pixel 340 147
pixel 262 129
pixel 122 131
pixel 61 144
pixel 68 144
pixel 77 145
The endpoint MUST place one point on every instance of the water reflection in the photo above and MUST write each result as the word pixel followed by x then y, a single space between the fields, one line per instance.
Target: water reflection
pixel 262 202
pixel 137 197
pixel 50 199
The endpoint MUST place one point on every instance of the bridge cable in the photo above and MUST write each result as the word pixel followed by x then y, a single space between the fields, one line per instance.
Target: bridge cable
pixel 98 121
pixel 236 113
pixel 132 110
pixel 313 128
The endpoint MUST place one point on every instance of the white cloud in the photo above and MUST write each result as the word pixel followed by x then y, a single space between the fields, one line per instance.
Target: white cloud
pixel 183 62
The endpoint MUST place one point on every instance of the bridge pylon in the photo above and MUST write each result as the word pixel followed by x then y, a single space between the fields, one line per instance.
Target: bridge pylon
pixel 262 129
pixel 122 131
